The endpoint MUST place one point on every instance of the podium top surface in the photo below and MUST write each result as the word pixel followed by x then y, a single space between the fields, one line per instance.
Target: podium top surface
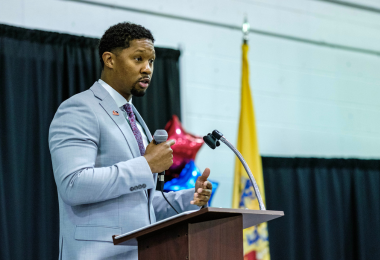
pixel 250 218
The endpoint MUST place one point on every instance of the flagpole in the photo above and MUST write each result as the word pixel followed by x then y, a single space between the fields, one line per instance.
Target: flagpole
pixel 245 28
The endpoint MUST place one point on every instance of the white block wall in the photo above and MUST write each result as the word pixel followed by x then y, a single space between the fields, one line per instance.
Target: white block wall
pixel 310 100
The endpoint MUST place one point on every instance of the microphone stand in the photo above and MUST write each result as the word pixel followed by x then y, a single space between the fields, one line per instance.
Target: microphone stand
pixel 212 140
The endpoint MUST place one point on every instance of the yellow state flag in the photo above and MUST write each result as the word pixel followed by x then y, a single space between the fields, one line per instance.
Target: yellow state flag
pixel 256 244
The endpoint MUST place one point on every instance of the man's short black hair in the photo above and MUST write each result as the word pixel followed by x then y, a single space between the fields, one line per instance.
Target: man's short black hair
pixel 119 36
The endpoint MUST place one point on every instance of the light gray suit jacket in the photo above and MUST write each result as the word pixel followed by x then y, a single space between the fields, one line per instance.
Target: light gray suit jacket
pixel 104 186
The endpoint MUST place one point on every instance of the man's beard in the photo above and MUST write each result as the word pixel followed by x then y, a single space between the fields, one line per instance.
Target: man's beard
pixel 137 93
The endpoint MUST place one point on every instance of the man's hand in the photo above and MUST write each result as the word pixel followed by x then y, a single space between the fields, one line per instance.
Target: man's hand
pixel 159 156
pixel 203 189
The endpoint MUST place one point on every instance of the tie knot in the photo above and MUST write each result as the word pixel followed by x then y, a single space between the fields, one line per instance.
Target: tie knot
pixel 127 107
pixel 129 110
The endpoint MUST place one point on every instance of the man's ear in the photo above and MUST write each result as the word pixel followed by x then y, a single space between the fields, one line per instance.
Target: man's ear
pixel 108 59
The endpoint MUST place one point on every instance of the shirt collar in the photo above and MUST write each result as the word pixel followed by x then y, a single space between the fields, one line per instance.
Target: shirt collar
pixel 119 99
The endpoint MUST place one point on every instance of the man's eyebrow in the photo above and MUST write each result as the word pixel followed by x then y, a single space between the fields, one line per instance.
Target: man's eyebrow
pixel 141 50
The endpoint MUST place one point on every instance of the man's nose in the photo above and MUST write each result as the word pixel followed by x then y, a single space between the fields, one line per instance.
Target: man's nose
pixel 146 69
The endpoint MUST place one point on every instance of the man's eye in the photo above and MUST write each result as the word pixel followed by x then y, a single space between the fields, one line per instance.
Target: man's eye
pixel 151 61
pixel 138 58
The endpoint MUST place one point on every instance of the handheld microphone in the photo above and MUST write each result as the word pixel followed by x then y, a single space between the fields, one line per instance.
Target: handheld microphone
pixel 160 136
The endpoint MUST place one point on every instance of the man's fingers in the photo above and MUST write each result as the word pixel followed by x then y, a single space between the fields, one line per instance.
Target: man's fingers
pixel 198 202
pixel 203 194
pixel 207 185
pixel 170 142
pixel 202 197
pixel 206 192
pixel 205 175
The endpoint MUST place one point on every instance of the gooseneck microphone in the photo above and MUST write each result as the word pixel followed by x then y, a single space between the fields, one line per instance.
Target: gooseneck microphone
pixel 212 140
pixel 161 136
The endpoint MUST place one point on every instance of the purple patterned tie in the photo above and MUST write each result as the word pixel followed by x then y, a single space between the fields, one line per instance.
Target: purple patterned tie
pixel 135 130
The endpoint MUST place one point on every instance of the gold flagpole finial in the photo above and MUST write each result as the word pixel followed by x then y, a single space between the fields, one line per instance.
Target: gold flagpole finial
pixel 245 29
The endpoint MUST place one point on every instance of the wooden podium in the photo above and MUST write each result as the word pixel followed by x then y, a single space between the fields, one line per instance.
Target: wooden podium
pixel 209 233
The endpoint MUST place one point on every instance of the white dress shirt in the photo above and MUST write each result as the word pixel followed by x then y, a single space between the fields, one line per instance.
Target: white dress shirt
pixel 120 102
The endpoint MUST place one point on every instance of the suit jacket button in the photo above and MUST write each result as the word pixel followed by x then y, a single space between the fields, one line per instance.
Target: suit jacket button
pixel 144 186
pixel 131 189
pixel 139 187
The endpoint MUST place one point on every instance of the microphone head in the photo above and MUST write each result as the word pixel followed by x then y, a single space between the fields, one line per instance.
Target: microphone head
pixel 210 140
pixel 160 136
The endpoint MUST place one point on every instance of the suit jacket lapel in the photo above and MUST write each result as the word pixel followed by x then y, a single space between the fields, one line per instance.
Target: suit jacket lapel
pixel 109 105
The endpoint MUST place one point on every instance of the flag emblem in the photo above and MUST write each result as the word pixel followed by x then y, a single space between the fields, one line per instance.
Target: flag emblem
pixel 115 113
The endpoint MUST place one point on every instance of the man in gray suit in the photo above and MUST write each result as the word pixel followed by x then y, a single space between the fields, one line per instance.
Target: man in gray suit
pixel 104 160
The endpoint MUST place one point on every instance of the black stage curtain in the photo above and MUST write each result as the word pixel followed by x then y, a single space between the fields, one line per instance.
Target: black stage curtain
pixel 38 71
pixel 332 208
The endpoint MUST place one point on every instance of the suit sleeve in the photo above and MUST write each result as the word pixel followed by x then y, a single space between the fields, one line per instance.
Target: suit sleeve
pixel 73 141
pixel 179 199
